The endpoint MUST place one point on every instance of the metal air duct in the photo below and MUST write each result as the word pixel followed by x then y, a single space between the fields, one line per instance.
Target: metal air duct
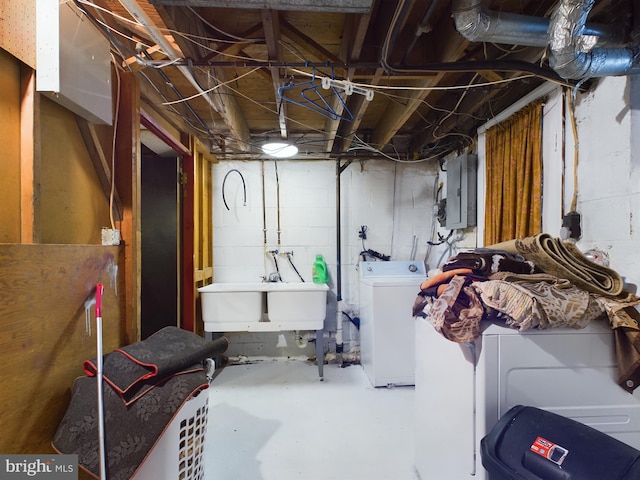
pixel 478 24
pixel 573 55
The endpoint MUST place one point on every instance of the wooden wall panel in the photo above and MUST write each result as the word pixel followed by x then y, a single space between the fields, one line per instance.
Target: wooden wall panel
pixel 10 158
pixel 43 338
pixel 203 231
pixel 18 29
pixel 127 181
pixel 73 204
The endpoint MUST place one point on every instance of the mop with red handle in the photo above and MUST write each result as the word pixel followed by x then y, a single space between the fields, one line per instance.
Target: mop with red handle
pixel 103 463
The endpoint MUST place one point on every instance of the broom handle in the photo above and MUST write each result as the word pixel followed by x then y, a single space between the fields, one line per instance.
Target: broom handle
pixel 103 466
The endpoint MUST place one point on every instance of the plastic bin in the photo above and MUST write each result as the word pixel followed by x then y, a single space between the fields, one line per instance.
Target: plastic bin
pixel 533 444
pixel 179 452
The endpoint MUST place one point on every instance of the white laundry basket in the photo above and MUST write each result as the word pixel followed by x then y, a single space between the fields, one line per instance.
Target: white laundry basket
pixel 179 454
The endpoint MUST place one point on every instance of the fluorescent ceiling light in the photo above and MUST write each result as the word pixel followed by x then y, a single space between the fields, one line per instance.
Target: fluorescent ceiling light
pixel 279 149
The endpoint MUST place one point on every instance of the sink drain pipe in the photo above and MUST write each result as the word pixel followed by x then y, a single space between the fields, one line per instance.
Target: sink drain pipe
pixel 339 319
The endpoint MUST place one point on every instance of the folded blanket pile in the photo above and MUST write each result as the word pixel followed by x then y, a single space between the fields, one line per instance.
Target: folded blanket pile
pixel 534 282
pixel 135 369
pixel 145 385
pixel 485 261
pixel 564 260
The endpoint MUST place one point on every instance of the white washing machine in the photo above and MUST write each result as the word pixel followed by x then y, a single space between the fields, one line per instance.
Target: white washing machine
pixel 387 345
pixel 463 389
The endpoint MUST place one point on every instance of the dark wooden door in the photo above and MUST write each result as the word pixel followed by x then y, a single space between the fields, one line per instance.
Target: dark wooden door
pixel 160 292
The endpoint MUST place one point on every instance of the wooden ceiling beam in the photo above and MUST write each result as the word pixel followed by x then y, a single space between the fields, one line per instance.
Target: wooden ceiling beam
pixel 233 49
pixel 228 108
pixel 452 48
pixel 155 100
pixel 352 43
pixel 271 26
pixel 358 105
pixel 307 44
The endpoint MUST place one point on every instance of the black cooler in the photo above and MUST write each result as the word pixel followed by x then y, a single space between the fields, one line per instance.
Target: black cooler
pixel 532 444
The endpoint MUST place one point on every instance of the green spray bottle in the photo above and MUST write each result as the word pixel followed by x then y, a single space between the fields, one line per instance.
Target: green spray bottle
pixel 320 274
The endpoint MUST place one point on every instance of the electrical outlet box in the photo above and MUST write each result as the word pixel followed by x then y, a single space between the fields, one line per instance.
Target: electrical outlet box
pixel 571 226
pixel 110 236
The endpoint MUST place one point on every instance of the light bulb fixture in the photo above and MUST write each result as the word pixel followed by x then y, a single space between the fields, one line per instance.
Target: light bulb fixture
pixel 279 149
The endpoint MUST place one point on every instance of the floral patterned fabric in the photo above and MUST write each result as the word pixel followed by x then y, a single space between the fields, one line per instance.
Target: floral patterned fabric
pixel 539 301
pixel 145 385
pixel 571 292
pixel 130 431
pixel 457 312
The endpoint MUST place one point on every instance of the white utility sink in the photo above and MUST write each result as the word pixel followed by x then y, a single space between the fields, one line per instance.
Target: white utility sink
pixel 265 306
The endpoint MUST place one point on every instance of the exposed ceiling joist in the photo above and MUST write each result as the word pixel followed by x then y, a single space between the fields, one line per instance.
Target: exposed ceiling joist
pixel 342 6
pixel 271 26
pixel 224 104
pixel 429 81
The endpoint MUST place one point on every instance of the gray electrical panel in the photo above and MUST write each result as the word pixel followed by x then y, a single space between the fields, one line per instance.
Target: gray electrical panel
pixel 462 191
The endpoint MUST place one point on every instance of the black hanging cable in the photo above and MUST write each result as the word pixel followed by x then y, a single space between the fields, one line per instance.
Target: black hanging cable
pixel 274 254
pixel 289 255
pixel 244 187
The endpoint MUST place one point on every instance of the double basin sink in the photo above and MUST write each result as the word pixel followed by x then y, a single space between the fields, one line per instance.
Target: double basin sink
pixel 244 307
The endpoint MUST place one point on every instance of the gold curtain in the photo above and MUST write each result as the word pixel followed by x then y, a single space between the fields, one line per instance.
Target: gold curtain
pixel 514 177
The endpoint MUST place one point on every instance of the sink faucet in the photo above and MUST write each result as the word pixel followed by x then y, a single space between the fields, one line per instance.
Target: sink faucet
pixel 274 277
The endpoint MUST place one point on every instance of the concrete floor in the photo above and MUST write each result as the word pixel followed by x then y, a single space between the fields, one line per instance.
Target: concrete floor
pixel 275 420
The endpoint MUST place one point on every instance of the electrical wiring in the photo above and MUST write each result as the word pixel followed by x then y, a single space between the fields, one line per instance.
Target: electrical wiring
pixel 507 51
pixel 108 31
pixel 192 38
pixel 230 35
pixel 367 147
pixel 113 144
pixel 398 18
pixel 172 109
pixel 397 98
pixel 113 14
pixel 574 128
pixel 452 87
pixel 442 120
pixel 362 147
pixel 381 88
pixel 293 50
pixel 212 89
pixel 426 89
pixel 388 90
pixel 437 188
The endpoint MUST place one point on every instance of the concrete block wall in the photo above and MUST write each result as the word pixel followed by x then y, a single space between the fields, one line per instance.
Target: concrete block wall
pixel 609 172
pixel 394 200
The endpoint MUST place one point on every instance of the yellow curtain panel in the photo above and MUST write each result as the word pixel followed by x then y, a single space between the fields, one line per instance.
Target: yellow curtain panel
pixel 514 177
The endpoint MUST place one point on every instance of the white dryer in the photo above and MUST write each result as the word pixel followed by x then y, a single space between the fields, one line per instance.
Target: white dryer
pixel 463 389
pixel 387 293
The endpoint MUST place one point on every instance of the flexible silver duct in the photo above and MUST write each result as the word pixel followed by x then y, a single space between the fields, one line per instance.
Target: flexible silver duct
pixel 573 55
pixel 576 48
pixel 478 24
